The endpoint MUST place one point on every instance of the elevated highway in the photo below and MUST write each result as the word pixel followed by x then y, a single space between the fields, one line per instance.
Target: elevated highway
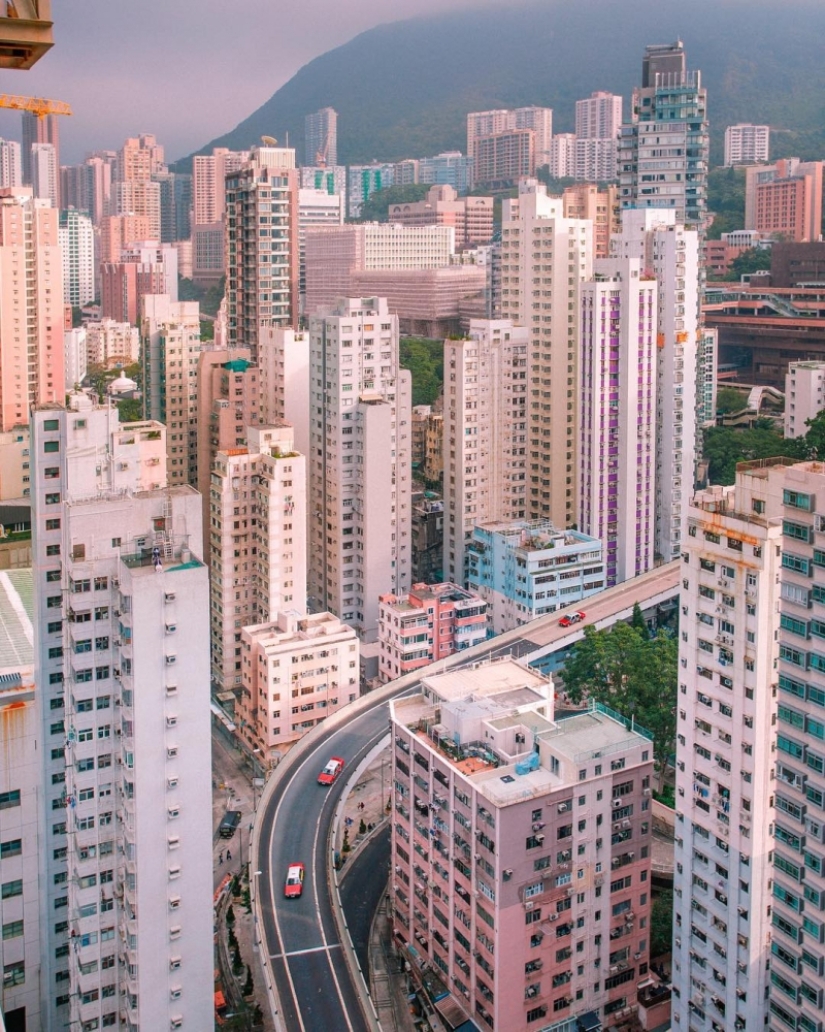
pixel 309 966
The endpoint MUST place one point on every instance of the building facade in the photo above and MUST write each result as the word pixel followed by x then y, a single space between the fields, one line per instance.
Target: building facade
pixel 121 624
pixel 804 395
pixel 520 852
pixel 359 473
pixel 257 537
pixel 76 236
pixel 11 170
pixel 599 116
pixel 297 671
pixel 364 180
pixel 471 217
pixel 31 305
pixel 617 449
pixel 727 707
pixel 430 623
pixel 528 568
pixel 785 199
pixel 544 258
pixel 171 340
pixel 321 137
pixel 485 434
pixel 669 121
pixel 747 144
pixel 261 246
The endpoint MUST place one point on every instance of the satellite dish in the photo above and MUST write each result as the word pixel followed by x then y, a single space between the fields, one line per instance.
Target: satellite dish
pixel 269 141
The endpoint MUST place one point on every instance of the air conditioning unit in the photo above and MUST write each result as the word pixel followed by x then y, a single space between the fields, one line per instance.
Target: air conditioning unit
pixel 617 802
pixel 170 660
pixel 553 917
pixel 528 904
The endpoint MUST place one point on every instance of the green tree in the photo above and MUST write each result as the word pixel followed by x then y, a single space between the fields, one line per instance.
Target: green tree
pixel 755 259
pixel 249 985
pixel 230 916
pixel 632 673
pixel 425 360
pixel 377 205
pixel 812 445
pixel 728 399
pixel 637 620
pixel 130 410
pixel 237 962
pixel 723 447
pixel 726 200
pixel 661 924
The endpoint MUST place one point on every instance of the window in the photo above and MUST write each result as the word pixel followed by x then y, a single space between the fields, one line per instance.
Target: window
pixel 12 930
pixel 11 888
pixel 11 847
pixel 9 799
pixel 14 974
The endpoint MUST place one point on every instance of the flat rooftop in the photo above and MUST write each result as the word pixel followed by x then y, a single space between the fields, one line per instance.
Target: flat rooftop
pixel 512 683
pixel 16 616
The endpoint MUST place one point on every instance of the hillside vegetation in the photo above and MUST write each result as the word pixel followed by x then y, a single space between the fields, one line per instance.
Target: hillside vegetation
pixel 404 89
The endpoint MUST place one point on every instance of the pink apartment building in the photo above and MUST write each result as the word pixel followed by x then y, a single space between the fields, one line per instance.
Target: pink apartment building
pixel 471 217
pixel 431 623
pixel 520 852
pixel 31 306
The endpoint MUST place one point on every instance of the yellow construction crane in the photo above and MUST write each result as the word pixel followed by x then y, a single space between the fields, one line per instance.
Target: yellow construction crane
pixel 39 106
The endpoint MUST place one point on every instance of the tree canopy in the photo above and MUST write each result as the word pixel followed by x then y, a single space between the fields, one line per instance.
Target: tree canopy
pixel 724 446
pixel 376 207
pixel 425 360
pixel 632 672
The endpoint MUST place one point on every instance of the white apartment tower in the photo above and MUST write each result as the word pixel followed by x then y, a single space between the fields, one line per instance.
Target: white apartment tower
pixel 76 236
pixel 11 171
pixel 725 753
pixel 257 541
pixel 45 173
pixel 359 476
pixel 747 144
pixel 599 116
pixel 804 395
pixel 544 259
pixel 171 341
pixel 618 415
pixel 485 434
pixel 122 631
pixel 671 253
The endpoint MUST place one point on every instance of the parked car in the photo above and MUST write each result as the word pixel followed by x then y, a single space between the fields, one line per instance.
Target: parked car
pixel 229 823
pixel 572 618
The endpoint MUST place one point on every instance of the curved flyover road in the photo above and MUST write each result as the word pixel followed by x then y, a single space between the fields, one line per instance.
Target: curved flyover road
pixel 316 988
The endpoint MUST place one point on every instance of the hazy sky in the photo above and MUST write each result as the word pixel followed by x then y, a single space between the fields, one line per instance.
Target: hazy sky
pixel 186 70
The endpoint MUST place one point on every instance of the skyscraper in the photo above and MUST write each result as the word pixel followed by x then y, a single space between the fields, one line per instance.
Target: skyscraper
pixel 359 474
pixel 171 339
pixel 321 137
pixel 261 246
pixel 747 144
pixel 209 172
pixel 599 116
pixel 122 655
pixel 11 169
pixel 664 150
pixel 618 415
pixel 485 434
pixel 729 762
pixel 544 258
pixel 76 237
pixel 45 173
pixel 670 252
pixel 31 305
pixel 38 130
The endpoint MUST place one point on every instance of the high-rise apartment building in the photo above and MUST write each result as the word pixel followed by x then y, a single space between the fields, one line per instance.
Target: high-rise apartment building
pixel 747 144
pixel 485 434
pixel 139 197
pixel 359 474
pixel 297 671
pixel 170 345
pixel 796 951
pixel 785 199
pixel 509 567
pixel 600 206
pixel 485 124
pixel 599 116
pixel 122 632
pixel 209 172
pixel 562 163
pixel 544 259
pixel 77 242
pixel 617 449
pixel 45 173
pixel 429 623
pixel 669 122
pixel 11 169
pixel 726 754
pixel 671 253
pixel 117 232
pixel 110 343
pixel 229 400
pixel 20 793
pixel 321 137
pixel 332 179
pixel 500 161
pixel 140 158
pixel 38 130
pixel 594 161
pixel 261 246
pixel 451 168
pixel 257 538
pixel 520 851
pixel 31 305
pixel 175 205
pixel 315 208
